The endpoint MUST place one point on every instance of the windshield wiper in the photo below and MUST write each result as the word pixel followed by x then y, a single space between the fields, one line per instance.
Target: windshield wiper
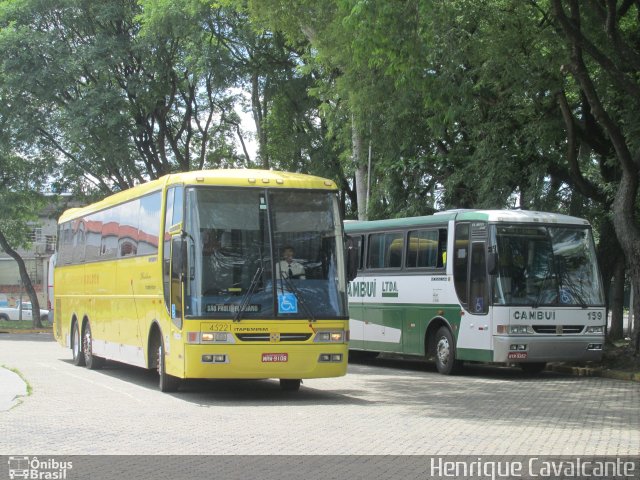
pixel 573 291
pixel 296 293
pixel 564 280
pixel 247 295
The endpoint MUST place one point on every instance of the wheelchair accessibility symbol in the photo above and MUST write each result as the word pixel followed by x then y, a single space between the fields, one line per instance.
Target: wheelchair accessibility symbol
pixel 287 303
pixel 565 296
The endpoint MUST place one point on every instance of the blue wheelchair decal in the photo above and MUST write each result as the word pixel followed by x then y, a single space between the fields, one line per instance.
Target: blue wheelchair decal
pixel 479 304
pixel 287 303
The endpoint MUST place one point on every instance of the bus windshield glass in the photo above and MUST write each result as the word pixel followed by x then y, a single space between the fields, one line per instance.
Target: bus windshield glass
pixel 264 253
pixel 545 265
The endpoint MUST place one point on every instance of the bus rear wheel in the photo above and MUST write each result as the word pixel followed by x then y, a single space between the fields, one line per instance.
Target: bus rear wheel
pixel 166 383
pixel 90 360
pixel 290 384
pixel 446 362
pixel 76 346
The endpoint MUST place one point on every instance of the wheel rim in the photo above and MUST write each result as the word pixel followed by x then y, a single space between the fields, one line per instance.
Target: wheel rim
pixel 86 344
pixel 76 342
pixel 444 350
pixel 159 366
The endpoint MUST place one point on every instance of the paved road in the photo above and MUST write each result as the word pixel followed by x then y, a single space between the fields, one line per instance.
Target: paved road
pixel 382 407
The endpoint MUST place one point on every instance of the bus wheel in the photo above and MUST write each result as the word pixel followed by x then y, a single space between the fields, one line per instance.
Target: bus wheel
pixel 533 368
pixel 90 360
pixel 446 362
pixel 76 346
pixel 290 385
pixel 166 382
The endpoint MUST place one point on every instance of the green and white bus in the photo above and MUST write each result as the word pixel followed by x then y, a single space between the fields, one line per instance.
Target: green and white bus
pixel 499 286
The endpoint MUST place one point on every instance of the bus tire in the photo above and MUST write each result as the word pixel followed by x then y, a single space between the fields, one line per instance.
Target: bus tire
pixel 76 346
pixel 290 384
pixel 533 368
pixel 446 362
pixel 166 383
pixel 91 361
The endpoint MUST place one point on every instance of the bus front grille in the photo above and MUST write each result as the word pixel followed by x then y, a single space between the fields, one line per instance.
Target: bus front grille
pixel 265 337
pixel 558 329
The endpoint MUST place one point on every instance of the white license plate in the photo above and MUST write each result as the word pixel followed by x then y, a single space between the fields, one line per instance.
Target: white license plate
pixel 517 355
pixel 275 357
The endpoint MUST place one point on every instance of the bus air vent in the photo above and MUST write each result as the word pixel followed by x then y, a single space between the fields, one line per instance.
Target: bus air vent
pixel 265 337
pixel 553 329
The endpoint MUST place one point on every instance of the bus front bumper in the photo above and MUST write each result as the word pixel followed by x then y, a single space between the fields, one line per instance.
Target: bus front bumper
pixel 561 348
pixel 266 361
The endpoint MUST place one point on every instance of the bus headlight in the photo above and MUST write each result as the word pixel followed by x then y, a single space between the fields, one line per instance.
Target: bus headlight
pixel 209 337
pixel 596 329
pixel 330 337
pixel 220 337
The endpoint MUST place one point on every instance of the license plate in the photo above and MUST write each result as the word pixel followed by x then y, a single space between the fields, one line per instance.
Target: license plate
pixel 517 355
pixel 275 357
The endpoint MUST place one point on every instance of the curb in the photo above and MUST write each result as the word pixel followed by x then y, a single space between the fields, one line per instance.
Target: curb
pixel 595 372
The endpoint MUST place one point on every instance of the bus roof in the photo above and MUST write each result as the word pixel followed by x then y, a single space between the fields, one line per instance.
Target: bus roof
pixel 441 218
pixel 251 178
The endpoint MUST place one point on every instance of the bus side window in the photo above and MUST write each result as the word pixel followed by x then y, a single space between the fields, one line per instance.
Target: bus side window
pixel 358 247
pixel 173 215
pixel 442 248
pixel 478 279
pixel 461 261
pixel 422 249
pixel 385 250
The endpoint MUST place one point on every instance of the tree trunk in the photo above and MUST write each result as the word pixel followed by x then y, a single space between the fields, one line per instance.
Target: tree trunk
pixel 360 169
pixel 612 266
pixel 257 109
pixel 616 302
pixel 628 235
pixel 26 281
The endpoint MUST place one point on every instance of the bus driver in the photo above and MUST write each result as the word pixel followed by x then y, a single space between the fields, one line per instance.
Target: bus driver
pixel 288 267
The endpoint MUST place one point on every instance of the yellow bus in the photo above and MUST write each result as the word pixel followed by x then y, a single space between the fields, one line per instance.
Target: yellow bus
pixel 181 274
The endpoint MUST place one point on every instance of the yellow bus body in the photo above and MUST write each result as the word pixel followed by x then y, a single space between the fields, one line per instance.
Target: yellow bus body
pixel 123 302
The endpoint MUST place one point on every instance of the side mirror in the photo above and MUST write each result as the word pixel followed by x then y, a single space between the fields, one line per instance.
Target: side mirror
pixel 352 258
pixel 178 256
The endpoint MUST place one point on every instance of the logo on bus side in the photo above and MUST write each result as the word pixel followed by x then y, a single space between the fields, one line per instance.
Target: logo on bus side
pixel 533 315
pixel 389 289
pixel 361 289
pixel 370 289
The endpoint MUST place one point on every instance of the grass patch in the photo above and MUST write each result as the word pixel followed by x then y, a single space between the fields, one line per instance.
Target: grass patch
pixel 20 325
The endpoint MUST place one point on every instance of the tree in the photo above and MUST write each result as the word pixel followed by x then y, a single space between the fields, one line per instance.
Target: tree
pixel 125 91
pixel 603 58
pixel 20 203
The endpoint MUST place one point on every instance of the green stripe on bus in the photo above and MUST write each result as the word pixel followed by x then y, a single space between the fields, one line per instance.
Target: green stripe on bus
pixel 411 319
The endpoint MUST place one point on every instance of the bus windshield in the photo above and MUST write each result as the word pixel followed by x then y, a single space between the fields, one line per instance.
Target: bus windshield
pixel 545 265
pixel 237 242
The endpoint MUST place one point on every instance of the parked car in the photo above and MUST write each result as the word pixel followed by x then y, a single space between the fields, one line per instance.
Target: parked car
pixel 13 313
